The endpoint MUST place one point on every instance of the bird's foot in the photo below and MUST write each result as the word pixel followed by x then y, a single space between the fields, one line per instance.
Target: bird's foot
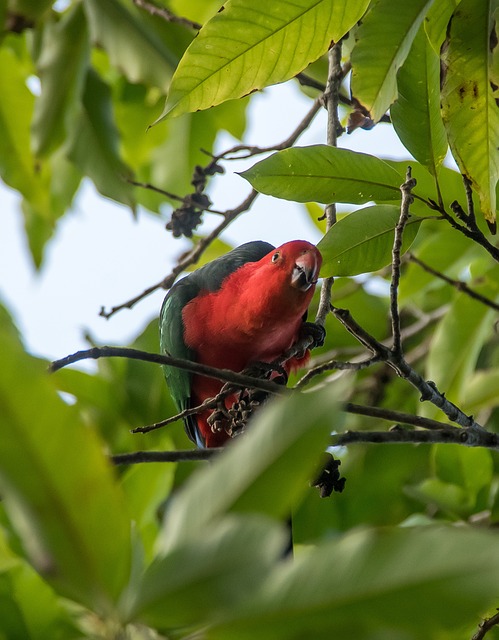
pixel 267 371
pixel 314 331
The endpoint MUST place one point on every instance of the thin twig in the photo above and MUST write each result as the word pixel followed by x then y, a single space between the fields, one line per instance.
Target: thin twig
pixel 166 14
pixel 485 626
pixel 137 457
pixel 407 200
pixel 228 216
pixel 238 379
pixel 398 417
pixel 396 435
pixel 427 389
pixel 458 284
pixel 188 259
pixel 331 99
pixel 234 153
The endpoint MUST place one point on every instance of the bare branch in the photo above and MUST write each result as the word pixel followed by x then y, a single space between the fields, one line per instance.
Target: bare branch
pixel 407 200
pixel 137 457
pixel 485 626
pixel 427 389
pixel 331 99
pixel 458 284
pixel 235 153
pixel 167 15
pixel 188 259
pixel 398 417
pixel 238 379
pixel 398 435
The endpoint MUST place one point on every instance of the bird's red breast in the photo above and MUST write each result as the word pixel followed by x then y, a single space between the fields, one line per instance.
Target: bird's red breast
pixel 255 316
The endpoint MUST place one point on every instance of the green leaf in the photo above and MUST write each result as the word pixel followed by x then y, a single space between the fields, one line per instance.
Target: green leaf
pixel 456 344
pixel 416 113
pixel 375 584
pixel 252 44
pixel 264 472
pixel 436 22
pixel 93 143
pixel 481 390
pixel 469 108
pixel 210 573
pixel 470 468
pixel 383 41
pixel 133 44
pixel 62 67
pixel 58 487
pixel 442 249
pixel 451 499
pixel 319 173
pixel 363 241
pixel 47 188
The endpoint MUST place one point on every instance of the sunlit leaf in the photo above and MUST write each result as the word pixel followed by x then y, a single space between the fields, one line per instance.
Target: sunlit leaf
pixel 469 107
pixel 253 43
pixel 62 67
pixel 416 113
pixel 93 143
pixel 389 32
pixel 133 45
pixel 363 241
pixel 325 174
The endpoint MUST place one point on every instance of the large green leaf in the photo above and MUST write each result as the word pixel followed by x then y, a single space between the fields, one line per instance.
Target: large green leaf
pixel 416 113
pixel 469 107
pixel 62 67
pixel 383 42
pixel 254 43
pixel 264 472
pixel 208 574
pixel 436 22
pixel 325 174
pixel 58 487
pixel 363 241
pixel 133 44
pixel 407 583
pixel 93 143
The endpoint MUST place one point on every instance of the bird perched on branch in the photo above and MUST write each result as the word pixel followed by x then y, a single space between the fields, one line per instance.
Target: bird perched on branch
pixel 246 307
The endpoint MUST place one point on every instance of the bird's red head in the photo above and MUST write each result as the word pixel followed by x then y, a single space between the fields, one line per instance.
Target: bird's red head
pixel 301 260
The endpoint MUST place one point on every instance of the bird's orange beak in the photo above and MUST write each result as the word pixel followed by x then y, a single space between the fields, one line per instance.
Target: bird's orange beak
pixel 305 271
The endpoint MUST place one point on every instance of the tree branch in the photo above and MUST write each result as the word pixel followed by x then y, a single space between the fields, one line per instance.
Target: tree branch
pixel 485 626
pixel 407 200
pixel 331 99
pixel 166 14
pixel 458 284
pixel 188 259
pixel 237 379
pixel 427 389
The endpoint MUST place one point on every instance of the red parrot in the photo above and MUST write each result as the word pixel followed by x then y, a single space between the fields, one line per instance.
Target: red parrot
pixel 245 307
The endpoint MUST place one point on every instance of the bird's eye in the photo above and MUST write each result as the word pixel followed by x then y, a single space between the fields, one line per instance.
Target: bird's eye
pixel 275 257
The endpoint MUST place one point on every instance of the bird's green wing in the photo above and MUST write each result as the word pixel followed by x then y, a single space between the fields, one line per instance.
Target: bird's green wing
pixel 171 337
pixel 171 327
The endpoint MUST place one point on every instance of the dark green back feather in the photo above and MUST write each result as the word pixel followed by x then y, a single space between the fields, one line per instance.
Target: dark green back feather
pixel 171 327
